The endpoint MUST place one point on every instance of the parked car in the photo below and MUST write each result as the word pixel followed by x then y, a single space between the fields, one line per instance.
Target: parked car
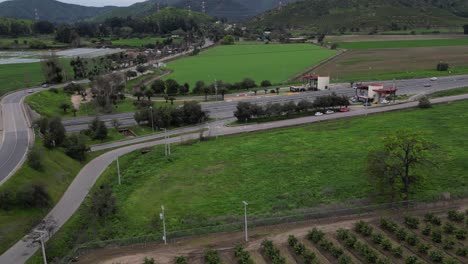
pixel 344 109
pixel 318 114
pixel 427 85
pixel 45 85
pixel 434 79
pixel 329 112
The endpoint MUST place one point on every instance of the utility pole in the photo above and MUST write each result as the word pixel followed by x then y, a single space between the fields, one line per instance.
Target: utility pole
pixel 190 6
pixel 158 7
pixel 216 89
pixel 36 14
pixel 41 238
pixel 245 220
pixel 118 170
pixel 163 218
pixel 152 119
pixel 203 6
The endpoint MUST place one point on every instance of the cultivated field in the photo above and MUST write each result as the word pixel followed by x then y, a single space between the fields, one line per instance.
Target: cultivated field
pixel 274 62
pixel 306 166
pixel 389 44
pixel 138 42
pixel 366 38
pixel 387 237
pixel 401 63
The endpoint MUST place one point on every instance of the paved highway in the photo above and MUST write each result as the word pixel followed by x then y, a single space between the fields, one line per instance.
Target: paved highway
pixel 86 178
pixel 225 109
pixel 16 135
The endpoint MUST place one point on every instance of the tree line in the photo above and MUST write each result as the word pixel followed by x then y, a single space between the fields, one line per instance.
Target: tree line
pixel 247 111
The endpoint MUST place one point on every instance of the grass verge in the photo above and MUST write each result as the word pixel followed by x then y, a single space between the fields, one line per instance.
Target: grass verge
pixel 275 171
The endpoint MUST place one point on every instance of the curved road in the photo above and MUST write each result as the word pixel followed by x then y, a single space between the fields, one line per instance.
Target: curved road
pixel 16 134
pixel 86 178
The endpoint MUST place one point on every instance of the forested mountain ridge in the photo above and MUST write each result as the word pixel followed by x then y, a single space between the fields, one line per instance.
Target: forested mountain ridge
pixel 364 15
pixel 50 10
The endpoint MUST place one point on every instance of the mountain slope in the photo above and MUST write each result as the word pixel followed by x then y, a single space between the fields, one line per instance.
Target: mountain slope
pixel 51 10
pixel 333 15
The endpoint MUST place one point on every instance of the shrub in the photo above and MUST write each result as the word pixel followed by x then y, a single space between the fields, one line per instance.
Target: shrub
pixel 388 225
pixel 401 234
pixel 212 257
pixel 426 230
pixel 448 244
pixel 363 228
pixel 411 260
pixel 436 236
pixel 272 252
pixel 181 260
pixel 315 235
pixel 442 66
pixel 243 257
pixel 412 222
pixel 377 238
pixel 436 256
pixel 386 244
pixel 423 248
pixel 455 216
pixel 35 159
pixel 463 252
pixel 344 259
pixel 54 90
pixel 7 199
pixel 397 252
pixel 149 261
pixel 433 219
pixel 424 103
pixel 460 234
pixel 265 83
pixel 412 240
pixel 33 196
pixel 449 228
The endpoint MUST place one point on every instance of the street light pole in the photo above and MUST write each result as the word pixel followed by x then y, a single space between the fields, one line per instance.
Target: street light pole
pixel 245 221
pixel 118 170
pixel 163 218
pixel 42 244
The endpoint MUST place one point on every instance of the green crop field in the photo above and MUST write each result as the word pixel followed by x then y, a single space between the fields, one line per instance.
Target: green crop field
pixel 275 171
pixel 404 43
pixel 23 75
pixel 138 42
pixel 274 62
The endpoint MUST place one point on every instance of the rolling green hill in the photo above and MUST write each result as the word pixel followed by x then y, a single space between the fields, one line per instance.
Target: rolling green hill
pixel 365 15
pixel 50 10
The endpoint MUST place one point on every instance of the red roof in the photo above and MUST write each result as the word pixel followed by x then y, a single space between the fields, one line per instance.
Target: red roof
pixel 386 90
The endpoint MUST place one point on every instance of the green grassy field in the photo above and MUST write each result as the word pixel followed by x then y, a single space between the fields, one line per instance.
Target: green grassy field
pixel 138 42
pixel 275 171
pixel 17 76
pixel 59 171
pixel 47 103
pixel 404 43
pixel 274 62
pixel 449 92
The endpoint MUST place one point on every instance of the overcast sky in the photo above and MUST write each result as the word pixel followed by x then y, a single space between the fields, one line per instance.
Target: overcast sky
pixel 98 2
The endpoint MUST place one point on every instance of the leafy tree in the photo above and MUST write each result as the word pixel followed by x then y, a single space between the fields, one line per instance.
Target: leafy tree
pixel 158 87
pixel 228 40
pixel 265 83
pixel 442 66
pixel 199 87
pixel 248 83
pixel 79 68
pixel 465 29
pixel 102 203
pixel 184 89
pixel 106 88
pixel 392 167
pixel 64 107
pixel 141 68
pixel 75 147
pixel 43 27
pixel 149 93
pixel 131 74
pixel 33 196
pixel 172 87
pixel 55 133
pixel 424 103
pixel 52 69
pixel 98 129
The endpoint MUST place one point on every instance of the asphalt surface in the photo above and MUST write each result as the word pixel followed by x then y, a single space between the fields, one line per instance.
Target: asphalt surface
pixel 16 134
pixel 83 182
pixel 225 109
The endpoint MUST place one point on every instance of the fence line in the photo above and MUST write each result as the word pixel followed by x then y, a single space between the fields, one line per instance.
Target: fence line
pixel 314 214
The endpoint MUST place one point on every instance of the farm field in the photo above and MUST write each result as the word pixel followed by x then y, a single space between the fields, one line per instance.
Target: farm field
pixel 138 42
pixel 274 62
pixel 17 76
pixel 359 240
pixel 404 43
pixel 401 63
pixel 321 164
pixel 392 37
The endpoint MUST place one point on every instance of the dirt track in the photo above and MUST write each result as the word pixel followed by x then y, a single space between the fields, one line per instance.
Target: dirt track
pixel 194 247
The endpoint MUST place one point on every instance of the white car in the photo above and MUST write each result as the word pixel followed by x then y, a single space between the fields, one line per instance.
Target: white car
pixel 318 114
pixel 427 85
pixel 329 112
pixel 434 79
